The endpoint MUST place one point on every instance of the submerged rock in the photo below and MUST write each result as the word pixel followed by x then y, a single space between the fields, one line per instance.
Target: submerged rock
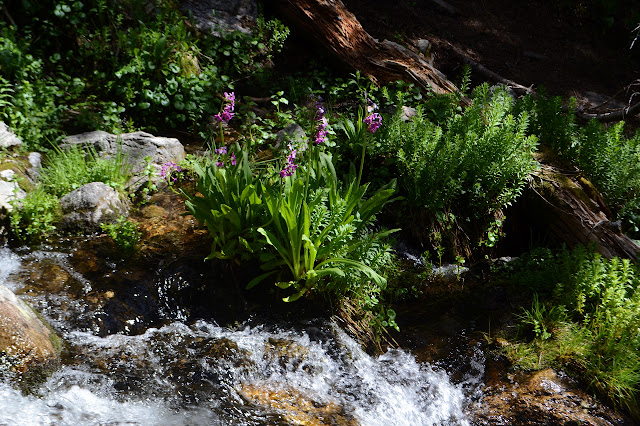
pixel 26 342
pixel 90 205
pixel 295 407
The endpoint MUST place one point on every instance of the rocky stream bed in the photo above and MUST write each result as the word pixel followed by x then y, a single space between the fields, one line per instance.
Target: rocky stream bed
pixel 154 340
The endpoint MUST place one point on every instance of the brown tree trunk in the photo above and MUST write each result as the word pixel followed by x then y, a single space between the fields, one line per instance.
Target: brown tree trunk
pixel 338 30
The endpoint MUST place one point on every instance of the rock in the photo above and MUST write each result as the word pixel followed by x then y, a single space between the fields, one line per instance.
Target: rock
pixel 26 342
pixel 7 137
pixel 543 397
pixel 9 191
pixel 286 352
pixel 135 147
pixel 90 205
pixel 227 15
pixel 450 271
pixel 293 134
pixel 35 161
pixel 295 407
pixel 406 112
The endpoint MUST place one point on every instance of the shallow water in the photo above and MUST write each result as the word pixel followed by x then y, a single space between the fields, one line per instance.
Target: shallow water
pixel 192 373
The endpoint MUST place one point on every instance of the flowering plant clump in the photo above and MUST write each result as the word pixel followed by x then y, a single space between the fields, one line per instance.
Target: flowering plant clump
pixel 303 229
pixel 321 130
pixel 227 112
pixel 290 167
pixel 170 171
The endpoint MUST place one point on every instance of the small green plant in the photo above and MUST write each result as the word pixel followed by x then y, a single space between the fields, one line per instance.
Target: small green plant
pixel 301 225
pixel 33 218
pixel 124 233
pixel 149 173
pixel 68 169
pixel 227 200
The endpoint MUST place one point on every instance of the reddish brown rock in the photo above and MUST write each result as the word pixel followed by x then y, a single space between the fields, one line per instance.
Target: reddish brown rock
pixel 26 342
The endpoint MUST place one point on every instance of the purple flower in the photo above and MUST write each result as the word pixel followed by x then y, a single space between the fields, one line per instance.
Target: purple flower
pixel 290 167
pixel 227 112
pixel 224 155
pixel 168 169
pixel 373 122
pixel 321 129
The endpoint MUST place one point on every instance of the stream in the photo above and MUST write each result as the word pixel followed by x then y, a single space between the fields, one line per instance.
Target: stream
pixel 159 364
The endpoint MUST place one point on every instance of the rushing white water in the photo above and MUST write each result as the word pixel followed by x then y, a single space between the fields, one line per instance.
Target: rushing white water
pixel 204 374
pixel 9 264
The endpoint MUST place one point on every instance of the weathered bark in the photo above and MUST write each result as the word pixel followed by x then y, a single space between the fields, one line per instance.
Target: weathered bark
pixel 337 29
pixel 573 212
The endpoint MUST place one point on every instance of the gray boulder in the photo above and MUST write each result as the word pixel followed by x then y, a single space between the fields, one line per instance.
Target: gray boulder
pixel 9 191
pixel 26 342
pixel 91 205
pixel 7 137
pixel 293 134
pixel 135 147
pixel 214 16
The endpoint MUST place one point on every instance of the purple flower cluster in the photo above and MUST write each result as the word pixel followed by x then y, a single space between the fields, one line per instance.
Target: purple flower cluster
pixel 222 153
pixel 321 130
pixel 169 171
pixel 227 112
pixel 290 167
pixel 373 120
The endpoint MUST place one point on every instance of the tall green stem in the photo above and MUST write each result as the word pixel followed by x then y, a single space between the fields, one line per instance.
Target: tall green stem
pixel 364 151
pixel 221 135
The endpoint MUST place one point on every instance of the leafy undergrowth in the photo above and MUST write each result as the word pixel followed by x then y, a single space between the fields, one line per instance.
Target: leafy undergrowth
pixel 306 208
pixel 584 318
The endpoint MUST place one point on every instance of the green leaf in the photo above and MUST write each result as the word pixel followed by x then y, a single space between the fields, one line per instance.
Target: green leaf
pixel 258 279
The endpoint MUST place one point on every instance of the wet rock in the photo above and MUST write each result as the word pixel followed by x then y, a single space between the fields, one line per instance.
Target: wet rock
pixel 7 137
pixel 543 397
pixel 213 16
pixel 90 205
pixel 26 342
pixel 135 147
pixel 15 168
pixel 285 352
pixel 449 272
pixel 295 407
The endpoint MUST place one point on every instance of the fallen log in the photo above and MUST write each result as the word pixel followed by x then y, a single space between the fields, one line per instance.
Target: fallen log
pixel 340 32
pixel 569 209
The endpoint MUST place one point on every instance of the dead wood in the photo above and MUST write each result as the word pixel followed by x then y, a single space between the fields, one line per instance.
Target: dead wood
pixel 340 32
pixel 607 117
pixel 571 210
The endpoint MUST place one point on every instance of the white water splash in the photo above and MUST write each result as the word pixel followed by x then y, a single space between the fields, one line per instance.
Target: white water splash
pixel 9 264
pixel 145 379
